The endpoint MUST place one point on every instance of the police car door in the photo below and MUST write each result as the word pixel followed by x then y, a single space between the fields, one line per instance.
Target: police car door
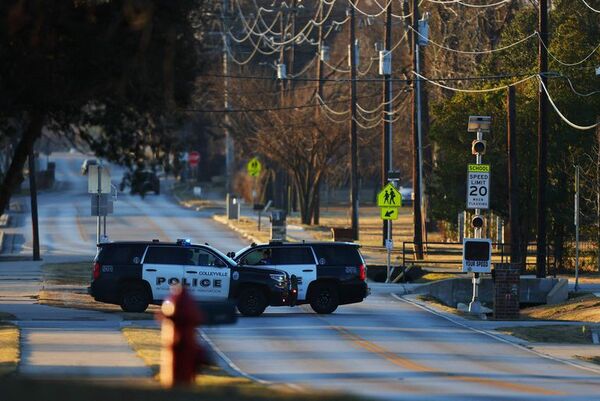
pixel 297 260
pixel 162 268
pixel 206 275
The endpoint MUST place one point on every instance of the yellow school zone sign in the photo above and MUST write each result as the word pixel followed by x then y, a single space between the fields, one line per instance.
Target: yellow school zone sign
pixel 389 197
pixel 254 167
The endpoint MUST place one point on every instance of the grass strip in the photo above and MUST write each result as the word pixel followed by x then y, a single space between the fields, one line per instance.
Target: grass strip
pixel 556 334
pixel 9 348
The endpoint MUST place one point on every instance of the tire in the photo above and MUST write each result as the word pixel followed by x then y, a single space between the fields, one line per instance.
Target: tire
pixel 135 299
pixel 324 298
pixel 252 301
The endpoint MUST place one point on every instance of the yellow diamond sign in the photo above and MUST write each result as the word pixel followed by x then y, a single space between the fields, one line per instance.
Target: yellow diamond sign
pixel 389 213
pixel 389 197
pixel 254 166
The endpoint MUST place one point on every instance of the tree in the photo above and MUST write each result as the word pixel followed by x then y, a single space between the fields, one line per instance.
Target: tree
pixel 68 64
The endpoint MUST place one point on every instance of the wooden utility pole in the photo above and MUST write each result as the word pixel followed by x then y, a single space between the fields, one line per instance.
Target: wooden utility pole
pixel 386 135
pixel 417 220
pixel 542 175
pixel 317 198
pixel 598 193
pixel 513 181
pixel 353 135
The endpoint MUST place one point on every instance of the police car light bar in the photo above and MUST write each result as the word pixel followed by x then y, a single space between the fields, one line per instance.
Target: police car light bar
pixel 181 241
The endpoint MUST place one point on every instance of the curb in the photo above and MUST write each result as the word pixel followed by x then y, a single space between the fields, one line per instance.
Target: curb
pixel 223 220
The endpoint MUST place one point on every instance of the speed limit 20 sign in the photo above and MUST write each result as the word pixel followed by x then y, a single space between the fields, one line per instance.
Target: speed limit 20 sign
pixel 478 186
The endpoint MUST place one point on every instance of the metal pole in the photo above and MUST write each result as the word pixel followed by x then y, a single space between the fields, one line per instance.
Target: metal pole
pixel 420 133
pixel 98 202
pixel 353 128
pixel 542 175
pixel 475 306
pixel 417 220
pixel 576 228
pixel 386 137
pixel 34 206
pixel 389 255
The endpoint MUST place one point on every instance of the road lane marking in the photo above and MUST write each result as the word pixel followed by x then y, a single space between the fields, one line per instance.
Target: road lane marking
pixel 236 369
pixel 417 367
pixel 496 337
pixel 80 227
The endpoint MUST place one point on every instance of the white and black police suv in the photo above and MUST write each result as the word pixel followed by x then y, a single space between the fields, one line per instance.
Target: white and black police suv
pixel 328 274
pixel 136 274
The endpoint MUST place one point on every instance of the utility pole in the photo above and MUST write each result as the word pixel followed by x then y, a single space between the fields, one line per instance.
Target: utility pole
pixel 229 145
pixel 513 181
pixel 576 228
pixel 542 175
pixel 320 58
pixel 34 206
pixel 598 194
pixel 416 123
pixel 353 136
pixel 386 137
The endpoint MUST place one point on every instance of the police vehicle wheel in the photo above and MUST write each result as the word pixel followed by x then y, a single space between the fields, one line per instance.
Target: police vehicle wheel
pixel 134 299
pixel 324 298
pixel 252 301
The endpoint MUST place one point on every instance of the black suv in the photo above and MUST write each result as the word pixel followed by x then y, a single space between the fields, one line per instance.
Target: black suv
pixel 136 274
pixel 328 273
pixel 143 182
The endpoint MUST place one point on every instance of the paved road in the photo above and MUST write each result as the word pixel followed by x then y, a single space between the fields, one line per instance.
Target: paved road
pixel 384 347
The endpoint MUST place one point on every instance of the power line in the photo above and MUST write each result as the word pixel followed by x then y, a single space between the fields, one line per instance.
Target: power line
pixel 590 7
pixel 462 3
pixel 561 115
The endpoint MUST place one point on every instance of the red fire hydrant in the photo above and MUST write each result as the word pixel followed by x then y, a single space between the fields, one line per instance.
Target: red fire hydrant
pixel 181 356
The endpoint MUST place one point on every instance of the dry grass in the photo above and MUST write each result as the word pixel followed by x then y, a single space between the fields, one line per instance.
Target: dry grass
pixel 65 286
pixel 430 277
pixel 437 304
pixel 592 359
pixel 146 343
pixel 9 348
pixel 585 309
pixel 557 334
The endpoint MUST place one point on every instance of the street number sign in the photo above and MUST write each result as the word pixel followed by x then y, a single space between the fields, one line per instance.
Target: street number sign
pixel 478 186
pixel 389 213
pixel 477 255
pixel 254 167
pixel 389 197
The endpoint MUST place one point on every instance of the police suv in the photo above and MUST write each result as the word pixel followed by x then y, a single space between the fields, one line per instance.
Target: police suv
pixel 136 274
pixel 328 273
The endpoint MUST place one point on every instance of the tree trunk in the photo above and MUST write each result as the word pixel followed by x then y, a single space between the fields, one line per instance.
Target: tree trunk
pixel 317 203
pixel 14 175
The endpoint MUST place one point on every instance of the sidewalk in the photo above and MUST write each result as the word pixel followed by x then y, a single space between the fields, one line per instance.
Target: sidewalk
pixel 64 342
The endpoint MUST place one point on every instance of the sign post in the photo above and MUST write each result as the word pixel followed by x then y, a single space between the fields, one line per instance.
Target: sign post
pixel 100 187
pixel 389 200
pixel 478 191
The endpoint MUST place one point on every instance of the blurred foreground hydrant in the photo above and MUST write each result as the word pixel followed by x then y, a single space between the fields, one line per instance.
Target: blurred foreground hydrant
pixel 181 356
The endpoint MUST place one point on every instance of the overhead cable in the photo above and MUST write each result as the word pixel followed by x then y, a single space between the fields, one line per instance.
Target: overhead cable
pixel 565 119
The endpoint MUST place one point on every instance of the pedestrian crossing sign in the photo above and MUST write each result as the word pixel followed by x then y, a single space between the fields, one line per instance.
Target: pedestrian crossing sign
pixel 389 213
pixel 389 197
pixel 254 167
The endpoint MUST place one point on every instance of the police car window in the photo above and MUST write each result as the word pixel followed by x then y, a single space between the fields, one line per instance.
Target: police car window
pixel 200 257
pixel 253 257
pixel 168 255
pixel 337 255
pixel 293 255
pixel 121 254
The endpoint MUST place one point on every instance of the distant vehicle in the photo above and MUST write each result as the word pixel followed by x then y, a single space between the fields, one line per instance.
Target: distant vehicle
pixel 408 196
pixel 136 274
pixel 328 274
pixel 143 182
pixel 86 165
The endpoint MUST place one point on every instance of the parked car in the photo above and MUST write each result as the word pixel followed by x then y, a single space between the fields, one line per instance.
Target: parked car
pixel 144 181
